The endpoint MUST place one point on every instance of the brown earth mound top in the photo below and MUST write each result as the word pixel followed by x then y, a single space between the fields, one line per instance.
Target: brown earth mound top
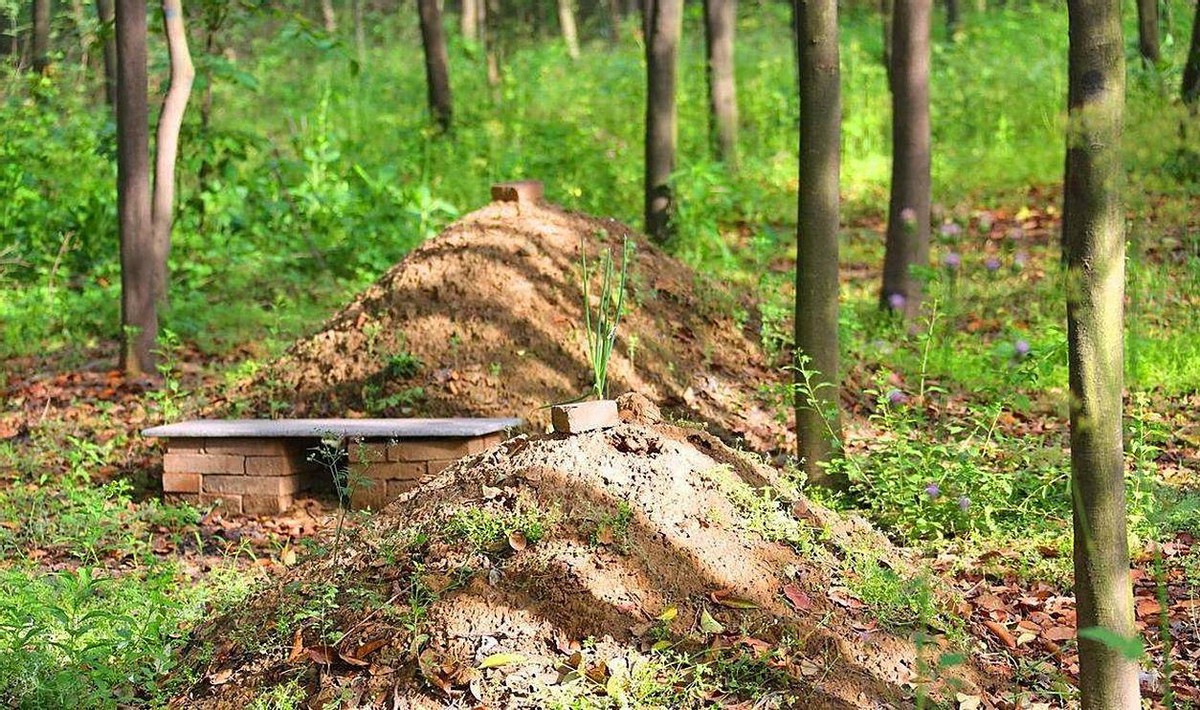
pixel 641 566
pixel 486 320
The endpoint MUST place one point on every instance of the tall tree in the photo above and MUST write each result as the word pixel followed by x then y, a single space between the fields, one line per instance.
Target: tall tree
pixel 566 22
pixel 437 63
pixel 662 26
pixel 170 120
pixel 1148 30
pixel 1093 225
pixel 908 210
pixel 720 23
pixel 139 316
pixel 952 19
pixel 41 35
pixel 328 16
pixel 816 317
pixel 469 19
pixel 1191 71
pixel 104 11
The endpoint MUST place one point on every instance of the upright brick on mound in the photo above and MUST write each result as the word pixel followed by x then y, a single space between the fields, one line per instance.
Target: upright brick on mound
pixel 257 466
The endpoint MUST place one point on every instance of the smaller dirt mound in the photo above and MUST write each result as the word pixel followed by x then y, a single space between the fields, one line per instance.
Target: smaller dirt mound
pixel 486 320
pixel 641 566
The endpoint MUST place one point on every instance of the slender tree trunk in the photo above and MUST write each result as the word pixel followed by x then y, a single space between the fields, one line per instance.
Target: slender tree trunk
pixel 952 19
pixel 817 421
pixel 81 35
pixel 566 22
pixel 360 33
pixel 720 24
pixel 1095 295
pixel 663 24
pixel 104 10
pixel 908 210
pixel 470 20
pixel 139 317
pixel 328 16
pixel 1148 30
pixel 437 63
pixel 170 120
pixel 886 11
pixel 1191 71
pixel 614 21
pixel 41 35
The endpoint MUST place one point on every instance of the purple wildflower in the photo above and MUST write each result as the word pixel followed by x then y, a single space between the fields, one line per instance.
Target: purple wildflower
pixel 896 397
pixel 932 490
pixel 992 263
pixel 908 215
pixel 950 230
pixel 1016 234
pixel 964 502
pixel 1021 347
pixel 1020 260
pixel 896 301
pixel 952 260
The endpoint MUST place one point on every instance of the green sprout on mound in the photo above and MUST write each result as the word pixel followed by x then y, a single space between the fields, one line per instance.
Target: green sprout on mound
pixel 601 326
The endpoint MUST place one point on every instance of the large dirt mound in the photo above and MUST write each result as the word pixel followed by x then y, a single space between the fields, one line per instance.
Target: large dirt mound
pixel 492 311
pixel 641 566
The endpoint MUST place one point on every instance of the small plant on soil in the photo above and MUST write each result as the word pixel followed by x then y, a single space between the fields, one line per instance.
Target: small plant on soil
pixel 601 326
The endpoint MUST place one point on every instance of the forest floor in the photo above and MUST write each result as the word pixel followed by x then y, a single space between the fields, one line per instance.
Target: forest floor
pixel 67 428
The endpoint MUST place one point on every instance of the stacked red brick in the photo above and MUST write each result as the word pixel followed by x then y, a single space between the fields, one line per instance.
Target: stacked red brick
pixel 381 471
pixel 244 475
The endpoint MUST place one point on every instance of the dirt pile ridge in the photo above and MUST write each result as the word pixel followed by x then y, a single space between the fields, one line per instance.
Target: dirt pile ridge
pixel 492 311
pixel 640 566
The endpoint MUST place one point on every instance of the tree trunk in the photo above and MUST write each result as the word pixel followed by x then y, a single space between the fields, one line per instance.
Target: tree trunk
pixel 720 23
pixel 1191 72
pixel 663 24
pixel 437 63
pixel 614 21
pixel 328 16
pixel 360 33
pixel 1148 30
pixel 885 14
pixel 104 10
pixel 1095 294
pixel 170 120
pixel 908 210
pixel 139 317
pixel 566 22
pixel 470 20
pixel 952 19
pixel 817 422
pixel 41 35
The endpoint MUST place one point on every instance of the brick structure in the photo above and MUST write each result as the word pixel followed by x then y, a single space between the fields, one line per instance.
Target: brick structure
pixel 256 467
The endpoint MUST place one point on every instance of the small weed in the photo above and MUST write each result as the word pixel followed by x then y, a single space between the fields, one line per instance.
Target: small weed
pixel 489 531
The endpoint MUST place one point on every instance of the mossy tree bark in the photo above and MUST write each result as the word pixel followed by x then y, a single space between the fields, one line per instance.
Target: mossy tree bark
pixel 437 63
pixel 139 315
pixel 816 317
pixel 1093 229
pixel 663 24
pixel 720 24
pixel 1148 30
pixel 908 209
pixel 1191 71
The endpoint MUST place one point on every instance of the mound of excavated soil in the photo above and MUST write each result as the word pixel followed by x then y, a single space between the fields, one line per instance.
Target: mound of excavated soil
pixel 639 566
pixel 492 309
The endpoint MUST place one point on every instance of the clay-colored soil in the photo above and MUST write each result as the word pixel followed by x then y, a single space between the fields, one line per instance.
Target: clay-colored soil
pixel 593 541
pixel 492 308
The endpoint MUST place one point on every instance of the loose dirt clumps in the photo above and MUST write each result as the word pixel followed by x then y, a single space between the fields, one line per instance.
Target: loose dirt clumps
pixel 486 319
pixel 647 565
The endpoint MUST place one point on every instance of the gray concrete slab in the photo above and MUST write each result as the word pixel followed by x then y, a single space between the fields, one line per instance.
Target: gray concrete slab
pixel 320 428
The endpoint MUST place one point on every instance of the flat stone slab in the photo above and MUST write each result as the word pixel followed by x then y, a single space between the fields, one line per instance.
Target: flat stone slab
pixel 319 428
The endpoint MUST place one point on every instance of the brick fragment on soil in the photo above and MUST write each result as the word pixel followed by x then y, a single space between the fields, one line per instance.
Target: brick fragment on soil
pixel 584 416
